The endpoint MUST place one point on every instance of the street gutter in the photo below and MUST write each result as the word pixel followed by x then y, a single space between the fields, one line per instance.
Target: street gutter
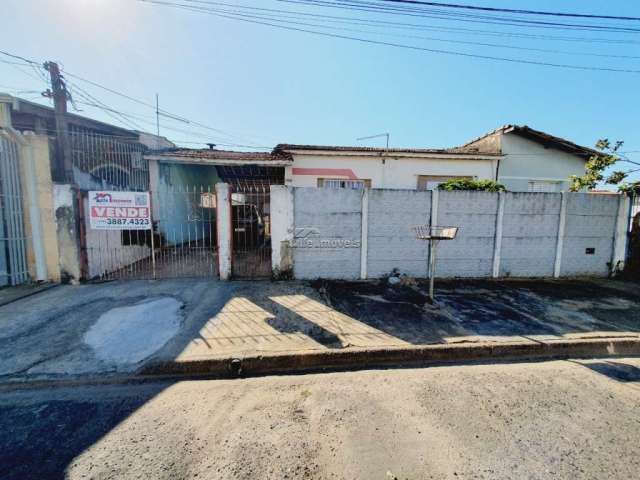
pixel 420 355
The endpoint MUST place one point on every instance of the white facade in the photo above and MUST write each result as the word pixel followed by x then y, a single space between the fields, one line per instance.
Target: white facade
pixel 523 159
pixel 529 166
pixel 380 169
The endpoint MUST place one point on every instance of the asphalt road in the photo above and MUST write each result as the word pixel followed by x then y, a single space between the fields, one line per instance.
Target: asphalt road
pixel 560 419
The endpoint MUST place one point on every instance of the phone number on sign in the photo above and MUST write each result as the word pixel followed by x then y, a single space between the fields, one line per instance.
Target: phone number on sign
pixel 127 221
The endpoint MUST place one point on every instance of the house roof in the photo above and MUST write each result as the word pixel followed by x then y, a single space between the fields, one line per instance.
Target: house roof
pixel 540 137
pixel 221 157
pixel 287 147
pixel 21 107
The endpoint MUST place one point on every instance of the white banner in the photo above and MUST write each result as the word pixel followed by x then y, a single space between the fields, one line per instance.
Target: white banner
pixel 110 210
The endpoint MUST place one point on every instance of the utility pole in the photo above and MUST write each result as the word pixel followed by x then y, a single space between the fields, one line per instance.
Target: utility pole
pixel 63 170
pixel 157 122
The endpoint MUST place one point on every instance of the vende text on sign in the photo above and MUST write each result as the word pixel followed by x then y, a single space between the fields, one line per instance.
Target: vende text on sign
pixel 112 210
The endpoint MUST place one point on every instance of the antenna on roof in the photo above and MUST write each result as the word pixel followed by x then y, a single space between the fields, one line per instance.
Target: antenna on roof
pixel 376 136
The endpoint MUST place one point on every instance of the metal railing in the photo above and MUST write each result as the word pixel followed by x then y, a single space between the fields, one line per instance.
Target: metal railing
pixel 13 239
pixel 251 230
pixel 108 161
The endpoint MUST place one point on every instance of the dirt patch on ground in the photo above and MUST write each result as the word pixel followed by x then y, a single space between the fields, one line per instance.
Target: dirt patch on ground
pixel 487 308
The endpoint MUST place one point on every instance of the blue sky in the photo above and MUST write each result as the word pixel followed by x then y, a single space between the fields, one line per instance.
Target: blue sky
pixel 265 86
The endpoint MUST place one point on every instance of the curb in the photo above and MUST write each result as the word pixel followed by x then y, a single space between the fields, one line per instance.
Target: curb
pixel 359 359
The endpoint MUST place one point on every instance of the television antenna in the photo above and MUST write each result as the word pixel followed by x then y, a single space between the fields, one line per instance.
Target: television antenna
pixel 376 136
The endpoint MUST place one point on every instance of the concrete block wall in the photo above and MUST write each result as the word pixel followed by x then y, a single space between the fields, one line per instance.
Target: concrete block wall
pixel 590 223
pixel 500 235
pixel 471 253
pixel 391 241
pixel 327 233
pixel 529 234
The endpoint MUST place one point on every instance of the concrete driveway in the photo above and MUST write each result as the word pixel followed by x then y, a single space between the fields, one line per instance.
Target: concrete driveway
pixel 131 326
pixel 103 328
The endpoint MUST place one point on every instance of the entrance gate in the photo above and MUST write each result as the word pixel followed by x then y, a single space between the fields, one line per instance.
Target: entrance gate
pixel 251 231
pixel 184 239
pixel 13 261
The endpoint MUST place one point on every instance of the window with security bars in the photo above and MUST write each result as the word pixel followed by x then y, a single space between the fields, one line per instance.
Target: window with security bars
pixel 541 186
pixel 359 184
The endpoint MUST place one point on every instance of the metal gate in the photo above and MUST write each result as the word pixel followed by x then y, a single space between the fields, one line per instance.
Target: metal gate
pixel 251 230
pixel 13 263
pixel 183 242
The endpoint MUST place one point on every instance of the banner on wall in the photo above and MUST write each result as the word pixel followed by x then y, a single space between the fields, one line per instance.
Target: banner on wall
pixel 112 210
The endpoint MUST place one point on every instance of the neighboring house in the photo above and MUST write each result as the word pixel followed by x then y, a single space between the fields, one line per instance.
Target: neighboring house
pixel 533 161
pixel 521 158
pixel 103 155
pixel 179 167
pixel 42 197
pixel 182 181
pixel 360 167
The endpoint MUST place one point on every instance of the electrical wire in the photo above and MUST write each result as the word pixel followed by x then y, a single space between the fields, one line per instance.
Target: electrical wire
pixel 374 8
pixel 420 8
pixel 520 11
pixel 162 112
pixel 391 24
pixel 278 17
pixel 404 46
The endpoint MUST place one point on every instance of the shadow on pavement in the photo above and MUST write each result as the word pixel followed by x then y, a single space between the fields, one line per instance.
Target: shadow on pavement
pixel 621 372
pixel 486 308
pixel 40 437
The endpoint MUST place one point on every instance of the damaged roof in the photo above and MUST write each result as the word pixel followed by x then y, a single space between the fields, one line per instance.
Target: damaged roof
pixel 545 139
pixel 229 157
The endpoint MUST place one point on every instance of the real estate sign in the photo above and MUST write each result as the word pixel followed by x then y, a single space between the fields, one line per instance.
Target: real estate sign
pixel 112 210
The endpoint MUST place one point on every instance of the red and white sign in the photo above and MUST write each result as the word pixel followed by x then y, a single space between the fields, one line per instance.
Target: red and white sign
pixel 110 210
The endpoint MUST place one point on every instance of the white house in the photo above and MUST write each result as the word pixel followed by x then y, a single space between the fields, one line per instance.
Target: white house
pixel 531 160
pixel 521 158
pixel 359 167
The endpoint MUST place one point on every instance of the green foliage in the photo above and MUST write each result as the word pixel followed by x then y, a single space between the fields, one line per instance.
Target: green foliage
pixel 597 164
pixel 465 184
pixel 630 188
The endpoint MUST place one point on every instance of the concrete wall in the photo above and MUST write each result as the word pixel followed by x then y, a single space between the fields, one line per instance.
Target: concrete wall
pixel 526 160
pixel 349 234
pixel 65 206
pixel 590 221
pixel 327 233
pixel 390 171
pixel 391 239
pixel 36 173
pixel 471 253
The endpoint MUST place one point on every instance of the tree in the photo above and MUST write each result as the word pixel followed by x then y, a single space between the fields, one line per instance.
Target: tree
pixel 598 163
pixel 466 184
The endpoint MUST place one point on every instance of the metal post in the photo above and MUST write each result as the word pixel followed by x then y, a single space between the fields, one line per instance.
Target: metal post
pixel 432 268
pixel 157 122
pixel 153 246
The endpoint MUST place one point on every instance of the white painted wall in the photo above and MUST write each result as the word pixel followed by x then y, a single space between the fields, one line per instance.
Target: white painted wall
pixel 500 235
pixel 525 160
pixel 392 171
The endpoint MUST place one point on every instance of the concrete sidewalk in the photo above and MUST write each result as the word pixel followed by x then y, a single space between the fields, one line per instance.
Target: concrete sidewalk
pixel 230 328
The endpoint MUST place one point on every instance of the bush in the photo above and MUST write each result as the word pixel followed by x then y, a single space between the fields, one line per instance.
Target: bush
pixel 466 184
